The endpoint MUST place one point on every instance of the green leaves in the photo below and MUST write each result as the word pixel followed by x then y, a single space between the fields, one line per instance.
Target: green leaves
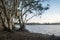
pixel 46 8
pixel 33 5
pixel 30 11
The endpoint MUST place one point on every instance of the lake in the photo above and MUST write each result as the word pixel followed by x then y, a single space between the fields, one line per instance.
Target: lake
pixel 44 29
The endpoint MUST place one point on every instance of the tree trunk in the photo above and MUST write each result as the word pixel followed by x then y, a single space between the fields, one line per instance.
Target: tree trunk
pixel 23 29
pixel 22 25
pixel 6 20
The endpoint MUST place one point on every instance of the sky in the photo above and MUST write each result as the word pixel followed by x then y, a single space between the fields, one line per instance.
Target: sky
pixel 50 16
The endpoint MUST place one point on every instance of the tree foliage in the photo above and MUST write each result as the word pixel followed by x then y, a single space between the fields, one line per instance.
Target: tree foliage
pixel 34 7
pixel 21 9
pixel 30 7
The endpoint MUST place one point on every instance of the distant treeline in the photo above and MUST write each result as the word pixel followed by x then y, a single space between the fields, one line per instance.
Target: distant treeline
pixel 41 23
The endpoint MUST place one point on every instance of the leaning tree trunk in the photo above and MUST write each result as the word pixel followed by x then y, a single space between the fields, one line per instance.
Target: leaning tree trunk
pixel 22 25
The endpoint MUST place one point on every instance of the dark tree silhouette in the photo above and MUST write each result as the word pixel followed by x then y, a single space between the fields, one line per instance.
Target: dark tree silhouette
pixel 19 9
pixel 30 7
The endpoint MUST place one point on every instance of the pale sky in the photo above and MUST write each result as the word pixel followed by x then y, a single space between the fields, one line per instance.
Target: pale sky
pixel 52 15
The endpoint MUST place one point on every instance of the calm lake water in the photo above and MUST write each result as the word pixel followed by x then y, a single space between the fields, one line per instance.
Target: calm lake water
pixel 45 29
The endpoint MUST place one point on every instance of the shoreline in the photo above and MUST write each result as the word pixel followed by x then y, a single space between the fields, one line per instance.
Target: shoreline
pixel 37 24
pixel 26 36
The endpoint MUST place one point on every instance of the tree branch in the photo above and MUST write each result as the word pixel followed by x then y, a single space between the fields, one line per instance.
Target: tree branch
pixel 15 8
pixel 30 8
pixel 30 18
pixel 4 8
pixel 5 26
pixel 26 11
pixel 1 7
